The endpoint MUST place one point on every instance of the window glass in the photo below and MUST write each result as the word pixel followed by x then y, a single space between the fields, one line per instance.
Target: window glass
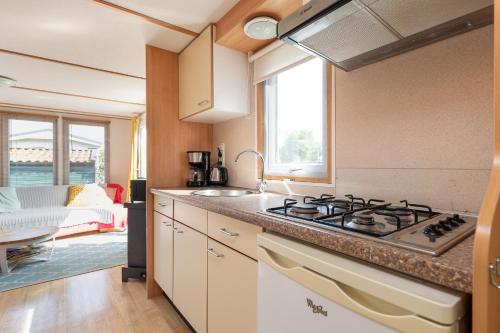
pixel 87 154
pixel 295 114
pixel 30 153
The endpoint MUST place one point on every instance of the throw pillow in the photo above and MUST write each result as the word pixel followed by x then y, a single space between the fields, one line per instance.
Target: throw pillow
pixel 9 201
pixel 73 192
pixel 89 195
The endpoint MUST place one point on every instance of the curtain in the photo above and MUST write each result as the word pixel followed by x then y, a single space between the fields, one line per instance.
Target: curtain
pixel 274 59
pixel 134 154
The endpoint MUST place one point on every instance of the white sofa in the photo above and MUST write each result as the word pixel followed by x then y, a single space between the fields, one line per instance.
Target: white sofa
pixel 46 206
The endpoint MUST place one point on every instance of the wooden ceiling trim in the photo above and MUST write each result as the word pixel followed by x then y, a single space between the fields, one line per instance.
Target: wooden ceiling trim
pixel 76 95
pixel 149 18
pixel 5 107
pixel 230 27
pixel 70 64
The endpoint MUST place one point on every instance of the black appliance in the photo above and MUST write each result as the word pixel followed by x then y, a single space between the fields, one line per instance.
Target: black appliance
pixel 199 162
pixel 407 225
pixel 137 190
pixel 136 241
pixel 218 173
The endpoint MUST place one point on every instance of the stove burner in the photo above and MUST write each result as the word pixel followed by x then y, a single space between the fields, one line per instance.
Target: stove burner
pixel 364 218
pixel 304 208
pixel 405 215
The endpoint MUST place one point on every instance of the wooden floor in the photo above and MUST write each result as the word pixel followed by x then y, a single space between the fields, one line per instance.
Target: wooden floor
pixel 94 302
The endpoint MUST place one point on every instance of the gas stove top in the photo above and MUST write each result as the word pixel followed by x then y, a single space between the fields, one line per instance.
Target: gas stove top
pixel 407 225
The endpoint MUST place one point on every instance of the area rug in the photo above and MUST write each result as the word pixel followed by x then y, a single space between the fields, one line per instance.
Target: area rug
pixel 71 256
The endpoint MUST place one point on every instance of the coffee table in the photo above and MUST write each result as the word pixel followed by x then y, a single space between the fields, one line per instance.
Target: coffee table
pixel 17 238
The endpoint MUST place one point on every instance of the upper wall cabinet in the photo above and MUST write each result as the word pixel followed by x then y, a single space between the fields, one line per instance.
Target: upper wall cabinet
pixel 213 81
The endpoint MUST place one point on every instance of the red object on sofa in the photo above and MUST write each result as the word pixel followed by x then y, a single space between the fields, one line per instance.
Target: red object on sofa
pixel 118 194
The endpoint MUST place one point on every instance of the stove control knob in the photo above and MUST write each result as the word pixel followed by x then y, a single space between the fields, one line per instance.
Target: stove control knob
pixel 457 218
pixel 432 231
pixel 444 225
pixel 452 223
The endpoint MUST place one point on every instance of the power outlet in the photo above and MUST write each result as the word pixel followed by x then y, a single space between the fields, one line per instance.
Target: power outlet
pixel 222 148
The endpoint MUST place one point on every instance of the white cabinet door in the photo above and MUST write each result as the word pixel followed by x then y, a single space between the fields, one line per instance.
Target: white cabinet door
pixel 232 290
pixel 190 275
pixel 196 75
pixel 163 252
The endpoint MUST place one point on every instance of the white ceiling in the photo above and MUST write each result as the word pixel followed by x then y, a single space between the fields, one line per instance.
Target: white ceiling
pixel 193 15
pixel 87 33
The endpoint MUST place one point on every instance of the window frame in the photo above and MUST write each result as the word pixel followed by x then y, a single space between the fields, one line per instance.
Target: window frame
pixel 4 142
pixel 65 140
pixel 261 132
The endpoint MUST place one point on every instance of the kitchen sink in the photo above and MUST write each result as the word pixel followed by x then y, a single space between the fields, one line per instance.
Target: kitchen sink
pixel 222 193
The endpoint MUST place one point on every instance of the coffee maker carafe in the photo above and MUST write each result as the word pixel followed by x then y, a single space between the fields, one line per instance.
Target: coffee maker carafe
pixel 199 161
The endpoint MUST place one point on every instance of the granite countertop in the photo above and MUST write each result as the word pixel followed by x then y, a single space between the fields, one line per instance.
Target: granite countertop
pixel 452 269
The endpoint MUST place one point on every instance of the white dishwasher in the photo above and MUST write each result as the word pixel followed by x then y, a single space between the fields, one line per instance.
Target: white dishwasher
pixel 303 289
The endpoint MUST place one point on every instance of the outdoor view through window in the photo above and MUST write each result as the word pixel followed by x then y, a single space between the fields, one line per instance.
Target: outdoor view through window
pixel 296 121
pixel 31 158
pixel 87 160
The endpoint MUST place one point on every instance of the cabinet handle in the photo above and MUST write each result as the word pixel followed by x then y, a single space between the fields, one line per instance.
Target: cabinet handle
pixel 205 101
pixel 215 254
pixel 229 233
pixel 495 273
pixel 162 204
pixel 179 231
pixel 165 223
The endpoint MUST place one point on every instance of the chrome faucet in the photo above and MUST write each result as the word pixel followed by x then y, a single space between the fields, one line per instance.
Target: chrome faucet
pixel 262 184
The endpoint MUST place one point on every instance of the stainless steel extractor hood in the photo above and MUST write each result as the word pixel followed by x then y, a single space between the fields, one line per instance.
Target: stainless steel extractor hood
pixel 354 33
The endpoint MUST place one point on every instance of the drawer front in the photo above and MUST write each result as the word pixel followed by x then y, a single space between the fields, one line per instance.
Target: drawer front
pixel 164 205
pixel 191 216
pixel 239 235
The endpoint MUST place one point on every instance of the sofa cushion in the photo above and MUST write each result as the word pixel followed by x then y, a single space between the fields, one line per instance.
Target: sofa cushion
pixel 55 216
pixel 42 196
pixel 8 200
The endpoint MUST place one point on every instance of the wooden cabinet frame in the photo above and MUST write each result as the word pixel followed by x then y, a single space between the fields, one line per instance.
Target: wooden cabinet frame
pixel 485 296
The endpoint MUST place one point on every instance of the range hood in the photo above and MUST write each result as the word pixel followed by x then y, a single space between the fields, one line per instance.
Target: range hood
pixel 354 33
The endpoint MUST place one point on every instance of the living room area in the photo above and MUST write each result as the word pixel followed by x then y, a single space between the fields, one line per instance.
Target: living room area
pixel 72 136
pixel 64 180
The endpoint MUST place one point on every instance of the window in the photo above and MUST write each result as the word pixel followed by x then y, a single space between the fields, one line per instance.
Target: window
pixel 86 152
pixel 29 146
pixel 296 119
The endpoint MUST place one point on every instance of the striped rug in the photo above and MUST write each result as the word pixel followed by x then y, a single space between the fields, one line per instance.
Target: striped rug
pixel 72 256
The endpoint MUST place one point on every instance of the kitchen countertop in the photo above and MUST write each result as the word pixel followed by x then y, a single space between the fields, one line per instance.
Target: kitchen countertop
pixel 452 269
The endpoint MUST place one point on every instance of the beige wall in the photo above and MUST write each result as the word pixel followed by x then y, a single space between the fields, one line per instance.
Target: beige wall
pixel 120 142
pixel 418 126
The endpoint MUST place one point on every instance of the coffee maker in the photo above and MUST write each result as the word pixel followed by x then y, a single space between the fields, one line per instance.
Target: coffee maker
pixel 199 162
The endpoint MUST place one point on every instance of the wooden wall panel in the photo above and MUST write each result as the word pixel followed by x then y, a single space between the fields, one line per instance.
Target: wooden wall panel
pixel 230 31
pixel 168 138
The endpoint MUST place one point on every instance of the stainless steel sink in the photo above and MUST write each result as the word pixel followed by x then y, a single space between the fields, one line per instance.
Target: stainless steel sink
pixel 222 193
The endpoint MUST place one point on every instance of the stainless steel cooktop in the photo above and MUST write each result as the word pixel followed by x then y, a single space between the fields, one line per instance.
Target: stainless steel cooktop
pixel 411 226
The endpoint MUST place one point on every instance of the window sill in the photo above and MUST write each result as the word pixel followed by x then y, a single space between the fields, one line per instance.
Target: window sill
pixel 299 183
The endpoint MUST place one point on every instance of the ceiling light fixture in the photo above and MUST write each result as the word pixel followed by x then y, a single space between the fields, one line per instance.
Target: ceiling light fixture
pixel 261 27
pixel 6 81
